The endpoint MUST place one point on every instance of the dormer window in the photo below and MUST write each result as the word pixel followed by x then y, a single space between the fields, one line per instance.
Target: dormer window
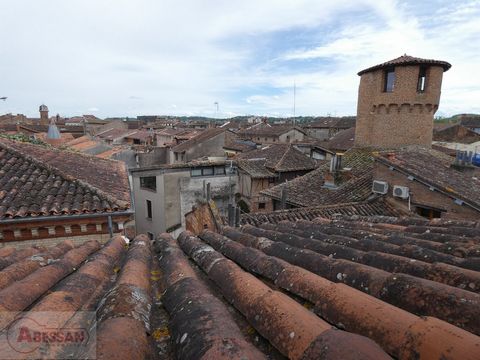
pixel 422 79
pixel 389 82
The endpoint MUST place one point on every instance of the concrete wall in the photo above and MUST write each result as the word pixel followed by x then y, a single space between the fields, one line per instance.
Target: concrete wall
pixel 141 195
pixel 421 194
pixel 127 156
pixel 156 157
pixel 177 192
pixel 319 133
pixel 291 136
pixel 191 189
pixel 211 147
pixel 401 117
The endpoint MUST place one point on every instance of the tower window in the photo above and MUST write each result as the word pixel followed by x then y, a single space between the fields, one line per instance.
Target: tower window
pixel 422 79
pixel 149 209
pixel 389 80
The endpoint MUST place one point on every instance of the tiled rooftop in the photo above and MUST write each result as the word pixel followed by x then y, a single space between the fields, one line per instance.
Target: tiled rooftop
pixel 338 123
pixel 280 158
pixel 435 169
pixel 267 130
pixel 351 287
pixel 407 285
pixel 41 181
pixel 353 185
pixel 111 280
pixel 408 60
pixel 374 207
pixel 343 140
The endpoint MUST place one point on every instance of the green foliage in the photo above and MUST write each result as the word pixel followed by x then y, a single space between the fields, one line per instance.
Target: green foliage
pixel 23 138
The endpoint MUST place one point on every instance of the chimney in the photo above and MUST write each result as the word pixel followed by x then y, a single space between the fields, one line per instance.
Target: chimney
pixel 331 178
pixel 336 163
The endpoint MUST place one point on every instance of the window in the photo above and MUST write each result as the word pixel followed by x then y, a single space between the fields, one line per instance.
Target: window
pixel 271 180
pixel 422 79
pixel 219 170
pixel 208 171
pixel 150 235
pixel 389 80
pixel 176 156
pixel 261 205
pixel 428 212
pixel 136 141
pixel 149 182
pixel 196 172
pixel 149 209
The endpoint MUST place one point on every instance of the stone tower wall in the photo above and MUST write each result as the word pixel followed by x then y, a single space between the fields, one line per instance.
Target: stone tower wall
pixel 401 117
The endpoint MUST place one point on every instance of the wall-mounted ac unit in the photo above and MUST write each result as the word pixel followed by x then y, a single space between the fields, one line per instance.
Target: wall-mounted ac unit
pixel 401 192
pixel 380 187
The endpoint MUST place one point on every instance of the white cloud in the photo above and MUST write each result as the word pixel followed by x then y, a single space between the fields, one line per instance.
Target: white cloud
pixel 71 54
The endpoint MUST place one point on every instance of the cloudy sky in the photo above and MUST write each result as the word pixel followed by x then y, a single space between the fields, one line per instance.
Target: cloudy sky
pixel 179 57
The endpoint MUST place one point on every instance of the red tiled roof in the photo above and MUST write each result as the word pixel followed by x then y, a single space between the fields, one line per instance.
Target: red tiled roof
pixel 376 277
pixel 366 208
pixel 140 135
pixel 405 60
pixel 343 140
pixel 356 287
pixel 280 158
pixel 107 178
pixel 309 190
pixel 267 130
pixel 435 169
pixel 68 282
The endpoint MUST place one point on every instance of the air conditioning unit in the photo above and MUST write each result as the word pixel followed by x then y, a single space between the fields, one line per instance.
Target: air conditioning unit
pixel 380 187
pixel 401 192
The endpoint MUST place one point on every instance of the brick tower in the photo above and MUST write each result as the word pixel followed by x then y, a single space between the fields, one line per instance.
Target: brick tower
pixel 43 114
pixel 397 101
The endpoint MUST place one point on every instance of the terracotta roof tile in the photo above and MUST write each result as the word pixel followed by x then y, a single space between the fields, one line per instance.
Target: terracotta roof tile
pixel 353 185
pixel 343 140
pixel 267 130
pixel 39 181
pixel 280 158
pixel 367 208
pixel 435 169
pixel 408 60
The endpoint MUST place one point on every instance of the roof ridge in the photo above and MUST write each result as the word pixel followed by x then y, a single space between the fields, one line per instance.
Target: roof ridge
pixel 277 165
pixel 67 177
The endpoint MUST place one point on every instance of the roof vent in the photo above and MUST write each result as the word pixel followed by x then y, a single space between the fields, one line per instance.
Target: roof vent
pixel 380 187
pixel 401 192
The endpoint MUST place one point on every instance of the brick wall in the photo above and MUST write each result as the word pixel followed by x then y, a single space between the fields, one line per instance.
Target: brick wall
pixel 401 117
pixel 77 240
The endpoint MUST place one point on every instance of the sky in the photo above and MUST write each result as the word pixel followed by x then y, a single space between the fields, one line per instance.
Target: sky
pixel 180 57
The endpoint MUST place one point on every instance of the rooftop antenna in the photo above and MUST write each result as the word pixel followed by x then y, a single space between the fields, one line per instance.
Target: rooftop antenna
pixel 294 100
pixel 216 104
